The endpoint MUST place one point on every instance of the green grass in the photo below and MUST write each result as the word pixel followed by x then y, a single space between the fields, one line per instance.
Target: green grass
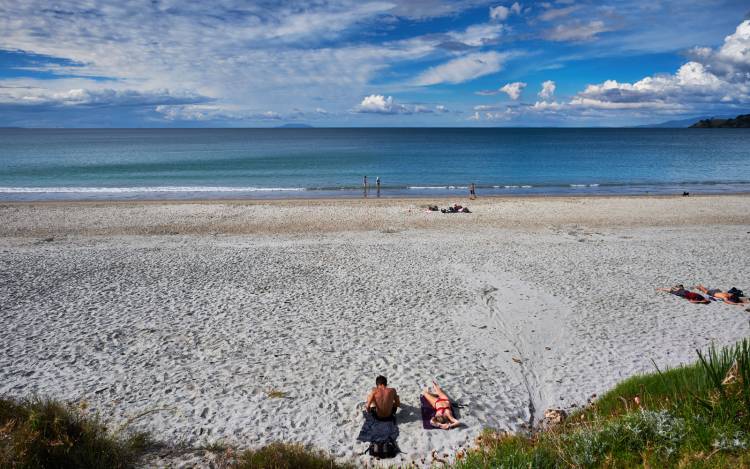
pixel 287 456
pixel 41 433
pixel 695 416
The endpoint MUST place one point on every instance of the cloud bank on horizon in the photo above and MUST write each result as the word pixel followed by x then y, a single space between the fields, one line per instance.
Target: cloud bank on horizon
pixel 154 63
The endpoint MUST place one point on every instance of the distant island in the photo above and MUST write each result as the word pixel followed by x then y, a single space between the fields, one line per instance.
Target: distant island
pixel 739 122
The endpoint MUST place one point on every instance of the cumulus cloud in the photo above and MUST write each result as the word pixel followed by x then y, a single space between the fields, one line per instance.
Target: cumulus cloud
pixel 463 69
pixel 548 89
pixel 576 31
pixel 501 13
pixel 692 83
pixel 379 104
pixel 513 90
pixel 547 106
pixel 732 60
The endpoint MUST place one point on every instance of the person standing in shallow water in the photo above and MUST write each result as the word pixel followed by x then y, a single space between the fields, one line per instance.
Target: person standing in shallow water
pixel 364 185
pixel 377 184
pixel 472 191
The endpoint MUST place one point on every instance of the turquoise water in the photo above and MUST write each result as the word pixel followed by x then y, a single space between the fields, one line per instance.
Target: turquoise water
pixel 43 164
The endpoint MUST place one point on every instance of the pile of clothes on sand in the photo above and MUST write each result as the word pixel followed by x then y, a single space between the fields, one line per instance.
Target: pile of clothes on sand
pixel 455 208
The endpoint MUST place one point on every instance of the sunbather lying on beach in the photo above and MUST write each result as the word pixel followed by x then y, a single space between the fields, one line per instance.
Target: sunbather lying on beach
pixel 692 297
pixel 731 297
pixel 443 412
pixel 382 400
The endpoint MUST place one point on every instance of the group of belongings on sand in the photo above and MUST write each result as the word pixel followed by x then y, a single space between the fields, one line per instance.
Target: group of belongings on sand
pixel 455 208
pixel 733 296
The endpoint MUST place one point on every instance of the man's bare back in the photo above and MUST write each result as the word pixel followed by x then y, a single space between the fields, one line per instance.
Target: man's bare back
pixel 383 399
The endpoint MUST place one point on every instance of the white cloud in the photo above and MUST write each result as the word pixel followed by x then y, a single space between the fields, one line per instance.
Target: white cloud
pixel 576 31
pixel 37 96
pixel 463 69
pixel 548 89
pixel 486 107
pixel 379 104
pixel 478 35
pixel 732 59
pixel 556 13
pixel 203 113
pixel 490 113
pixel 501 13
pixel 693 86
pixel 547 106
pixel 513 90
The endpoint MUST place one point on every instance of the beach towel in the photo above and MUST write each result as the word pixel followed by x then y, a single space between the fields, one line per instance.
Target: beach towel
pixel 428 412
pixel 377 431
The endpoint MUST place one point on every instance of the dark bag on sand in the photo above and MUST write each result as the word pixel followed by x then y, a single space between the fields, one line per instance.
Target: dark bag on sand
pixel 383 449
pixel 736 292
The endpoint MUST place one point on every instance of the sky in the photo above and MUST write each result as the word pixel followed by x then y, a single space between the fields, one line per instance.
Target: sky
pixel 343 63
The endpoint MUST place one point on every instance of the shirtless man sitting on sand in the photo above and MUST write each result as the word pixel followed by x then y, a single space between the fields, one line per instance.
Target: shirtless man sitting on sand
pixel 382 400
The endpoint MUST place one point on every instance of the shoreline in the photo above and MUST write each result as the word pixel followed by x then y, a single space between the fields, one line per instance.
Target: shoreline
pixel 383 199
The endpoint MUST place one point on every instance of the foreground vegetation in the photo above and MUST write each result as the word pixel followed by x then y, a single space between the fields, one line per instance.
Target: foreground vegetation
pixel 695 416
pixel 42 434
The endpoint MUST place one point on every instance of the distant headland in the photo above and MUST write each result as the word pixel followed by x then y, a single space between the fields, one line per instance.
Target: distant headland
pixel 739 122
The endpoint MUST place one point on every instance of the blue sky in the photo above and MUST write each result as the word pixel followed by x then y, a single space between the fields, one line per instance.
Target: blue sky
pixel 232 63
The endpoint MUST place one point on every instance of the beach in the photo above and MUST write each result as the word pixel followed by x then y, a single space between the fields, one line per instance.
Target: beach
pixel 247 322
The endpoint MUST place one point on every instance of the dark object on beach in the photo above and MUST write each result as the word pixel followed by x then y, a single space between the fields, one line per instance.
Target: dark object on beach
pixel 736 292
pixel 455 209
pixel 432 208
pixel 686 194
pixel 383 450
pixel 739 122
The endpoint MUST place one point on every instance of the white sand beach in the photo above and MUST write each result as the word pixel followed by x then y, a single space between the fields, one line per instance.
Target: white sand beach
pixel 195 312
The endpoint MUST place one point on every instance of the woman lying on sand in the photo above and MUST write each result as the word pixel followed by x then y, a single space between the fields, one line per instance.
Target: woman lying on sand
pixel 443 413
pixel 680 291
pixel 731 297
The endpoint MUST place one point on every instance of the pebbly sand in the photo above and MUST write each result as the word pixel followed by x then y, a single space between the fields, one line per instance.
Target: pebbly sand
pixel 195 313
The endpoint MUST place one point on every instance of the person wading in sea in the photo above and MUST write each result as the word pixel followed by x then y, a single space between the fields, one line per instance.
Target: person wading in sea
pixel 472 191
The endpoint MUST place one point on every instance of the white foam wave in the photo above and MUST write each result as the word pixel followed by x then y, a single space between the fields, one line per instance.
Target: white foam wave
pixel 584 185
pixel 428 188
pixel 118 190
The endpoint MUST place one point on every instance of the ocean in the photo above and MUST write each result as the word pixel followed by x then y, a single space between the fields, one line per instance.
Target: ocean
pixel 84 164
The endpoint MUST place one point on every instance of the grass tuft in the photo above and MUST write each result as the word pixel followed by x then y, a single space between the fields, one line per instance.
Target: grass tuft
pixel 40 433
pixel 276 394
pixel 287 456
